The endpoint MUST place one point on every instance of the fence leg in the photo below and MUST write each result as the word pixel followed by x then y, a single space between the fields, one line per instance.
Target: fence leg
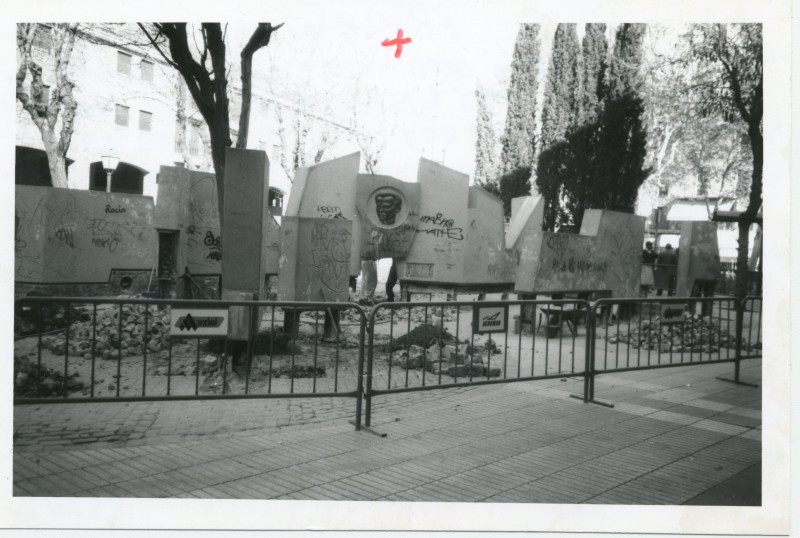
pixel 360 382
pixel 589 371
pixel 587 366
pixel 738 354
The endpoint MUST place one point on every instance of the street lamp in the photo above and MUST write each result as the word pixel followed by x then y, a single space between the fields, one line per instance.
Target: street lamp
pixel 109 165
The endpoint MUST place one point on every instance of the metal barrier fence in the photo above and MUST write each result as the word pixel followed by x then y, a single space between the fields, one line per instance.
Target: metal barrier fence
pixel 76 349
pixel 428 345
pixel 637 334
pixel 103 350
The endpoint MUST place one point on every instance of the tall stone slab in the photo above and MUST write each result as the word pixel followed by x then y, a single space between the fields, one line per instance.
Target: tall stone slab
pixel 73 236
pixel 486 260
pixel 698 255
pixel 329 190
pixel 523 236
pixel 388 210
pixel 437 254
pixel 606 255
pixel 246 220
pixel 187 203
pixel 315 259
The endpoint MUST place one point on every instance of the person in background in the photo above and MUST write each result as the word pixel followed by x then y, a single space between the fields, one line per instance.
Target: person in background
pixel 665 259
pixel 391 281
pixel 648 254
pixel 369 279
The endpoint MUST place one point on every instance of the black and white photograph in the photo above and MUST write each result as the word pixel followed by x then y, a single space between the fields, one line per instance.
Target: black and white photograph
pixel 440 267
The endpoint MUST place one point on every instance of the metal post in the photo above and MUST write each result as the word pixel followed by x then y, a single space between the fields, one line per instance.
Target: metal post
pixel 739 331
pixel 360 378
pixel 368 393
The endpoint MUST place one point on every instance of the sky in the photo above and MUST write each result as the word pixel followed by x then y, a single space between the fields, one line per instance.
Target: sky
pixel 422 103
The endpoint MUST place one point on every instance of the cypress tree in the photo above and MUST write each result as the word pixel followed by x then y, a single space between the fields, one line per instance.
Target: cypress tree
pixel 593 72
pixel 560 116
pixel 516 159
pixel 576 188
pixel 485 161
pixel 621 145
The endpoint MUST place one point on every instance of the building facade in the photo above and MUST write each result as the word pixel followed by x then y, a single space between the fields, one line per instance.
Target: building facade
pixel 134 106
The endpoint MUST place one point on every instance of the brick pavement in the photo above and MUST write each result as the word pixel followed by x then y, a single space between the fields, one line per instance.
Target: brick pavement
pixel 673 435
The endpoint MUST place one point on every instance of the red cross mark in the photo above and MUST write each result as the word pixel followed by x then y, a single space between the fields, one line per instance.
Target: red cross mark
pixel 399 41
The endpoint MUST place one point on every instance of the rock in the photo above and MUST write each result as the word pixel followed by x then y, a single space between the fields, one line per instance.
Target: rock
pixel 457 370
pixel 210 364
pixel 20 379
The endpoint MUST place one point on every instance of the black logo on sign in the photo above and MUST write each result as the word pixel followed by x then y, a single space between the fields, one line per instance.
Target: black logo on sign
pixel 673 312
pixel 189 323
pixel 491 321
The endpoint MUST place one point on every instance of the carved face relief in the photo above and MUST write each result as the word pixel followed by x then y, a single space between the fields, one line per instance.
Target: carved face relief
pixel 387 206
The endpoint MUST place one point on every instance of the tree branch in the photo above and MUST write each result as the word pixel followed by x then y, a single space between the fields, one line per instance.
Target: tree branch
pixel 154 42
pixel 258 40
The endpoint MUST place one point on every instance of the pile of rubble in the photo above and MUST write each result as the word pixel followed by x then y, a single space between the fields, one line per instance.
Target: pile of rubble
pixel 423 336
pixel 108 340
pixel 32 379
pixel 696 333
pixel 445 360
pixel 29 320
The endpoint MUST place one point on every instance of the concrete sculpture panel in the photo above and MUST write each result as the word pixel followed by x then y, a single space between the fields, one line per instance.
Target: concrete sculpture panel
pixel 389 212
pixel 315 259
pixel 67 235
pixel 486 260
pixel 606 255
pixel 459 238
pixel 247 221
pixel 328 190
pixel 698 257
pixel 187 202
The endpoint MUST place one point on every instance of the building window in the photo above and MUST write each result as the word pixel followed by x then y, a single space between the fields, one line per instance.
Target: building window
pixel 146 69
pixel 145 120
pixel 123 63
pixel 121 115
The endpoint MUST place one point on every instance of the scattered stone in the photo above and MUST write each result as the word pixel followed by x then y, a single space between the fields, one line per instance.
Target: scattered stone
pixel 697 333
pixel 424 336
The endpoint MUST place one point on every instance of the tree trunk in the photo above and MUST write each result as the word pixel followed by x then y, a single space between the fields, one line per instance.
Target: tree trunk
pixel 55 160
pixel 741 260
pixel 220 140
pixel 755 259
pixel 244 116
pixel 751 213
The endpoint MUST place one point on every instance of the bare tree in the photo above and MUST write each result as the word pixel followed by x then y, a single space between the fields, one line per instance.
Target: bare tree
pixel 53 115
pixel 730 82
pixel 205 72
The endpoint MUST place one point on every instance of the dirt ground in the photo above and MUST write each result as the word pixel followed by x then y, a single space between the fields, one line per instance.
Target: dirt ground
pixel 325 366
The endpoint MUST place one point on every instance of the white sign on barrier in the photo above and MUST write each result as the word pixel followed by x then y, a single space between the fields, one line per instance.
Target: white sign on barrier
pixel 489 319
pixel 672 314
pixel 199 322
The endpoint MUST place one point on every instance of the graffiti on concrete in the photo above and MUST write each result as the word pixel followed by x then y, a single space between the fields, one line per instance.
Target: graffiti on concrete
pixel 106 234
pixel 330 212
pixel 445 227
pixel 214 244
pixel 330 253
